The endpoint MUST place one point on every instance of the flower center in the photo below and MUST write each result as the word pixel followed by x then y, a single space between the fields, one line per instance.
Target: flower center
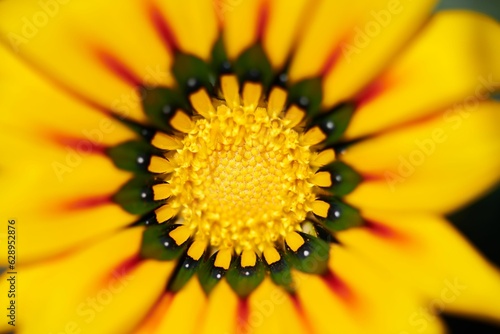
pixel 237 182
pixel 242 178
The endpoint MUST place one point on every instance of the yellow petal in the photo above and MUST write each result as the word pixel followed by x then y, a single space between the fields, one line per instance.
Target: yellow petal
pixel 285 19
pixel 352 41
pixel 272 310
pixel 217 321
pixel 193 24
pixel 435 165
pixel 32 105
pixel 184 310
pixel 58 193
pixel 426 253
pixel 454 60
pixel 358 298
pixel 241 24
pixel 103 62
pixel 140 300
pixel 93 300
pixel 54 145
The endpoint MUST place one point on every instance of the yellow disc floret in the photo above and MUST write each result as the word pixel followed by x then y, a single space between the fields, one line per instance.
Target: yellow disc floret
pixel 242 178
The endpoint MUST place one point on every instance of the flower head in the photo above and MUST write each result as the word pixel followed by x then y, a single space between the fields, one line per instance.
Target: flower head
pixel 245 166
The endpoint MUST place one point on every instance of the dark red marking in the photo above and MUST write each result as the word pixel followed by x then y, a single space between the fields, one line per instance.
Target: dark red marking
pixel 372 177
pixel 371 92
pixel 163 28
pixel 118 68
pixel 79 144
pixel 263 19
pixel 339 287
pixel 301 313
pixel 386 232
pixel 331 61
pixel 88 202
pixel 126 267
pixel 157 311
pixel 242 314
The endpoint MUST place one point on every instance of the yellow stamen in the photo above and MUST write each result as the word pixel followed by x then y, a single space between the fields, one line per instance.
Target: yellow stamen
pixel 323 158
pixel 223 259
pixel 322 179
pixel 230 89
pixel 277 100
pixel 180 235
pixel 312 137
pixel 181 122
pixel 160 165
pixel 162 191
pixel 197 249
pixel 248 258
pixel 251 95
pixel 165 212
pixel 294 241
pixel 294 116
pixel 166 142
pixel 271 255
pixel 202 103
pixel 243 178
pixel 321 208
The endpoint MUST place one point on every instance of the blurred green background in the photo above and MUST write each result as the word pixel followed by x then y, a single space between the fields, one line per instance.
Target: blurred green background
pixel 480 222
pixel 490 7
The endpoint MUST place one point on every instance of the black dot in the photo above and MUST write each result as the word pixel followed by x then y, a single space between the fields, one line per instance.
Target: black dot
pixel 334 212
pixel 253 74
pixel 226 66
pixel 304 101
pixel 192 83
pixel 167 110
pixel 283 78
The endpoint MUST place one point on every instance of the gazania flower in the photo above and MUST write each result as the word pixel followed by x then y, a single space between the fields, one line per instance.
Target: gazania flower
pixel 244 166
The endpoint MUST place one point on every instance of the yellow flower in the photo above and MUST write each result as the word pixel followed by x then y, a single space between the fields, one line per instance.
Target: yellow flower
pixel 240 166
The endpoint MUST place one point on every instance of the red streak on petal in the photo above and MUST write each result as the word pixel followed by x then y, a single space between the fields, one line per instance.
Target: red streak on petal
pixel 331 61
pixel 78 144
pixel 371 92
pixel 118 68
pixel 126 267
pixel 386 232
pixel 337 286
pixel 301 313
pixel 373 177
pixel 156 313
pixel 263 20
pixel 242 313
pixel 163 28
pixel 87 203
